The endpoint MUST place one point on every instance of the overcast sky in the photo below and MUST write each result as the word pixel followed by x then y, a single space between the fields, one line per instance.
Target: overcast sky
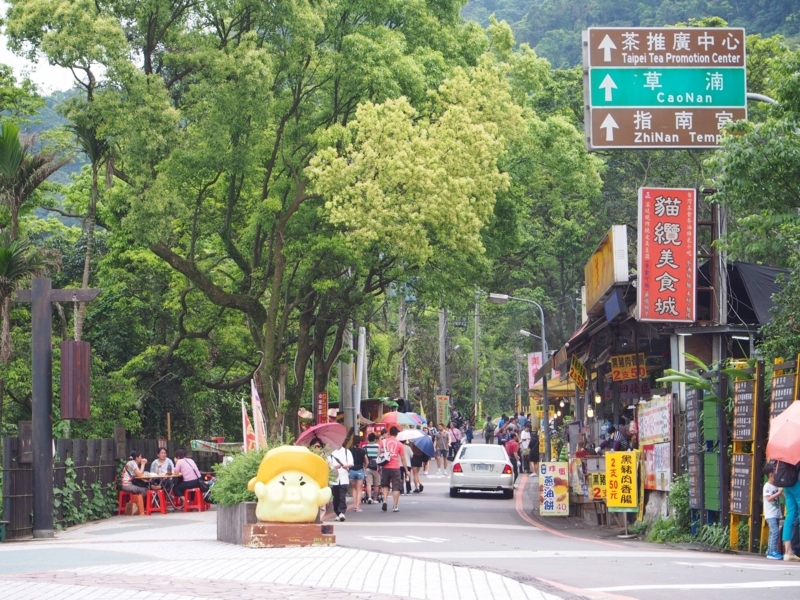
pixel 48 78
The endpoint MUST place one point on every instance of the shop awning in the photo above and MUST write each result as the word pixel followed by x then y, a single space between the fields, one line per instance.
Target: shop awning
pixel 555 388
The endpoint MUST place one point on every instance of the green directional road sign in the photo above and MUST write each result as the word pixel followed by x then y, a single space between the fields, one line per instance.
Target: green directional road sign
pixel 662 87
pixel 668 87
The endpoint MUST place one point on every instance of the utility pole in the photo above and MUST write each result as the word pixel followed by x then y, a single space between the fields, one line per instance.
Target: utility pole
pixel 475 353
pixel 403 351
pixel 346 380
pixel 443 383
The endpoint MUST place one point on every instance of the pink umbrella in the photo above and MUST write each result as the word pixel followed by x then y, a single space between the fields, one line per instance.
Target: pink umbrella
pixel 330 434
pixel 784 436
pixel 399 419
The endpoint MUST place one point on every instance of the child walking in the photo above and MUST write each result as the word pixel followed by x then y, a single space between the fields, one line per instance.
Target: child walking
pixel 772 512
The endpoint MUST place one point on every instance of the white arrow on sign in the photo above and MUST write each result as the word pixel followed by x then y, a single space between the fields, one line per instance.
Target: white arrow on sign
pixel 609 124
pixel 607 45
pixel 608 85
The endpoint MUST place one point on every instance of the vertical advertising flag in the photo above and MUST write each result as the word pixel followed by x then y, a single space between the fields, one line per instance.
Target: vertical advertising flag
pixel 667 264
pixel 248 435
pixel 260 425
pixel 443 410
pixel 534 364
pixel 322 407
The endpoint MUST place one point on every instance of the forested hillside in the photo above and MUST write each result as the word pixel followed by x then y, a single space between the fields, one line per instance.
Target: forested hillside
pixel 553 27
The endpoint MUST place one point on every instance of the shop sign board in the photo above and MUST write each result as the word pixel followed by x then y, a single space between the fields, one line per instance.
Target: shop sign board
pixel 597 484
pixel 694 448
pixel 658 466
pixel 662 87
pixel 623 367
pixel 622 482
pixel 629 390
pixel 782 393
pixel 744 408
pixel 577 372
pixel 741 486
pixel 534 364
pixel 554 489
pixel 667 262
pixel 322 407
pixel 442 409
pixel 655 421
pixel 607 267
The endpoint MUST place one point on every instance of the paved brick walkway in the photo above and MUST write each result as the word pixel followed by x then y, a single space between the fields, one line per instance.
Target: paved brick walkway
pixel 176 557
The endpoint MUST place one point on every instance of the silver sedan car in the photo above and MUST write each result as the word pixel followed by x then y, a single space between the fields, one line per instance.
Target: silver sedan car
pixel 482 467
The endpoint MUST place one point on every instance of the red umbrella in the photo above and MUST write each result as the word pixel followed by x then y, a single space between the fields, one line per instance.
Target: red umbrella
pixel 331 434
pixel 399 419
pixel 784 436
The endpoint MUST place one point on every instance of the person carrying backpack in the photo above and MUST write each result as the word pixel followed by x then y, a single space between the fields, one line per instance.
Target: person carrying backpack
pixel 488 430
pixel 786 476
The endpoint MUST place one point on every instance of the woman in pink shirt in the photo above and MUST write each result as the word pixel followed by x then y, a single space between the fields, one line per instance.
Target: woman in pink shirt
pixel 190 474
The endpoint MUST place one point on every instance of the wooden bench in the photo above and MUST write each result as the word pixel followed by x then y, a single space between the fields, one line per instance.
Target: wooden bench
pixel 3 531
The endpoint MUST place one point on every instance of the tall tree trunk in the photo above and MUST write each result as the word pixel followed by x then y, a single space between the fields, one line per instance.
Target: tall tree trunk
pixel 5 350
pixel 2 401
pixel 90 217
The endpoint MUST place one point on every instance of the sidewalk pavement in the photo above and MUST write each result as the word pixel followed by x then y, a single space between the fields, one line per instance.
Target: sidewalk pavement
pixel 177 557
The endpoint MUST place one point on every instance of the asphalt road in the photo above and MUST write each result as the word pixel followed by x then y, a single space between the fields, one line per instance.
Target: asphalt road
pixel 484 530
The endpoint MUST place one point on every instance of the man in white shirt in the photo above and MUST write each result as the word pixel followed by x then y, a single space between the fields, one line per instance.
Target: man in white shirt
pixel 524 442
pixel 340 460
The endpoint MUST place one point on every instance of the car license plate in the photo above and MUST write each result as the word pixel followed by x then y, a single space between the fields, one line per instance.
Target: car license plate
pixel 482 467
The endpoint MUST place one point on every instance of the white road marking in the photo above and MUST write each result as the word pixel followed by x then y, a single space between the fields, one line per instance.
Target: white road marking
pixel 410 539
pixel 766 566
pixel 348 524
pixel 504 554
pixel 748 585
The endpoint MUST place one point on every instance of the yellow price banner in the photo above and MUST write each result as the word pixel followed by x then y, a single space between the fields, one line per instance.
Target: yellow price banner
pixel 577 372
pixel 622 474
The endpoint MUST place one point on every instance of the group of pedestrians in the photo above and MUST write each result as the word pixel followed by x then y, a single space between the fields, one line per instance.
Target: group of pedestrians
pixel 520 439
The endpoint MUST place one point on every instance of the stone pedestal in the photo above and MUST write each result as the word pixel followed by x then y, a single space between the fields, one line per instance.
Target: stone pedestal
pixel 279 535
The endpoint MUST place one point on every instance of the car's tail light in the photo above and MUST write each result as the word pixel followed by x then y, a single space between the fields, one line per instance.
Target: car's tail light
pixel 507 470
pixel 457 468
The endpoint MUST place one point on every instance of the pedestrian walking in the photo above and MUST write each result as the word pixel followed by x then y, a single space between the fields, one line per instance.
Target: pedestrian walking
pixel 455 442
pixel 425 458
pixel 373 476
pixel 417 460
pixel 441 445
pixel 390 471
pixel 525 450
pixel 406 490
pixel 341 461
pixel 533 446
pixel 357 472
pixel 512 449
pixel 488 430
pixel 772 511
pixel 468 431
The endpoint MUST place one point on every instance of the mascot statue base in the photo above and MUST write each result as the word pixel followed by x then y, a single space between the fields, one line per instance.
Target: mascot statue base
pixel 278 535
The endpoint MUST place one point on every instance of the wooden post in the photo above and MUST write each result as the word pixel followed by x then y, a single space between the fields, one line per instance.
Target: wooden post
pixel 41 296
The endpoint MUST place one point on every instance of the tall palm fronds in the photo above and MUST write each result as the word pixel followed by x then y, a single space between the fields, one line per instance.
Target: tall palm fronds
pixel 22 170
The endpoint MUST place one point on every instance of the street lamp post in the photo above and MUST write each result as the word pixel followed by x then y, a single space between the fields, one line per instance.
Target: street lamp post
pixel 503 299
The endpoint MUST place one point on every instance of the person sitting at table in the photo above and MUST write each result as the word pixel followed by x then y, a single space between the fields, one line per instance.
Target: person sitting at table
pixel 162 465
pixel 190 474
pixel 134 468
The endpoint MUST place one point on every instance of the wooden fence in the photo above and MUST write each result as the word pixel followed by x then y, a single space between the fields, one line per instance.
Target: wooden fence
pixel 93 461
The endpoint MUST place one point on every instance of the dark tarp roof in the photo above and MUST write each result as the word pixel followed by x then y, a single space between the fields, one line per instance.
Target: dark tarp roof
pixel 750 290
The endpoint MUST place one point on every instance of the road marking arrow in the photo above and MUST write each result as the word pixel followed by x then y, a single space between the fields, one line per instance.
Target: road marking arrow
pixel 608 85
pixel 607 45
pixel 609 124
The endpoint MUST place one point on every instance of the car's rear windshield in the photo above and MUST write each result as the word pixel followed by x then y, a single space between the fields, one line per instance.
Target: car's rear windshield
pixel 481 452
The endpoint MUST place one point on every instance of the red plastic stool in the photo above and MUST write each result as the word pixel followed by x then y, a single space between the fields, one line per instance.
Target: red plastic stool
pixel 124 498
pixel 161 500
pixel 193 499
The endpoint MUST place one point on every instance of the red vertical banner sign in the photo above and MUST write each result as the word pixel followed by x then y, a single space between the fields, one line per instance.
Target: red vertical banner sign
pixel 322 407
pixel 667 263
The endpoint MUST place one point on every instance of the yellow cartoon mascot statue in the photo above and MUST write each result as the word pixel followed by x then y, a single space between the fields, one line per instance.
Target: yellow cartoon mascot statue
pixel 291 485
